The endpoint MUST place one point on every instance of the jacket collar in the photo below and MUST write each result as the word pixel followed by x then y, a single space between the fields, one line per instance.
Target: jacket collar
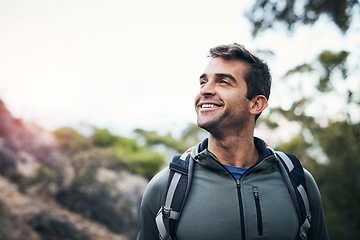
pixel 200 152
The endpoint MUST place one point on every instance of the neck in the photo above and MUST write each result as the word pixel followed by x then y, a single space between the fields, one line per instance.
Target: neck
pixel 235 150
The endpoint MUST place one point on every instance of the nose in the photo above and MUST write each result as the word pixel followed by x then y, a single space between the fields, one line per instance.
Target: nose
pixel 208 89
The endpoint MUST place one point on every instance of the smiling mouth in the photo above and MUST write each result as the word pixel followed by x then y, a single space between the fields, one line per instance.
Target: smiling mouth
pixel 209 106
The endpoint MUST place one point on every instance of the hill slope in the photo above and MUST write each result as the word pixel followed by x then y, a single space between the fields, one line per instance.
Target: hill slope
pixel 43 193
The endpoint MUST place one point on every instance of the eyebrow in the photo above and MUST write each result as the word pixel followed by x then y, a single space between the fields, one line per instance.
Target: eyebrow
pixel 221 75
pixel 202 76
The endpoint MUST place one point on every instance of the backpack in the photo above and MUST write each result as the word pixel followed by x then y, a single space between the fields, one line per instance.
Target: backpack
pixel 179 183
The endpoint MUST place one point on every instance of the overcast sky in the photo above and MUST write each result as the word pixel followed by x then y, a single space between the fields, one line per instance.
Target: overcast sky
pixel 128 64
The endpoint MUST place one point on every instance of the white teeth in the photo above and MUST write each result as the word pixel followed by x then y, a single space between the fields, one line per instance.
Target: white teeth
pixel 208 106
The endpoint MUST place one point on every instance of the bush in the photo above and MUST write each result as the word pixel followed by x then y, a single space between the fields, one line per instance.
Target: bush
pixel 146 165
pixel 50 227
pixel 94 201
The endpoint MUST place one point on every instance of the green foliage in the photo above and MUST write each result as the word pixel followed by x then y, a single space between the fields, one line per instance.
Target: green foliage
pixel 327 65
pixel 265 13
pixel 331 61
pixel 126 154
pixel 340 183
pixel 295 113
pixel 189 137
pixel 152 138
pixel 69 141
pixel 103 138
pixel 146 165
pixel 127 145
pixel 104 149
pixel 300 69
pixel 268 123
pixel 298 146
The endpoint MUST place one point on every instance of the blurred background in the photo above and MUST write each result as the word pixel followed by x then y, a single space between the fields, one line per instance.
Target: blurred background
pixel 96 96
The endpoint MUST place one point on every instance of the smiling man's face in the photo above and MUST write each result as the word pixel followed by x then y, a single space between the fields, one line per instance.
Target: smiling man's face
pixel 221 102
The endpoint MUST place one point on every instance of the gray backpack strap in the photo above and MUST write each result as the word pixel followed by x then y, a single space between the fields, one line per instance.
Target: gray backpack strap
pixel 303 210
pixel 181 169
pixel 166 211
pixel 304 228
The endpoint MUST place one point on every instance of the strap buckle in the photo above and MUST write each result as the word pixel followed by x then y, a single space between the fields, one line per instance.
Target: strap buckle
pixel 166 211
pixel 169 213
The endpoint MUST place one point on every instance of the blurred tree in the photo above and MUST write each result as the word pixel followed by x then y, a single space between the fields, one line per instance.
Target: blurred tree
pixel 265 13
pixel 152 138
pixel 127 154
pixel 339 181
pixel 103 137
pixel 190 136
pixel 146 163
pixel 69 141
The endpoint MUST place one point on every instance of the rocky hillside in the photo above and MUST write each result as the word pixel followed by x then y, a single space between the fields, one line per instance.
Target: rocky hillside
pixel 52 187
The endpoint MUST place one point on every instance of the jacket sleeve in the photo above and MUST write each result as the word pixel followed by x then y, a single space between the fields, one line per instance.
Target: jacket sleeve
pixel 152 200
pixel 318 230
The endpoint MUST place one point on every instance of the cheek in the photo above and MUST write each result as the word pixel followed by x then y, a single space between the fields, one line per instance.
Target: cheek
pixel 240 104
pixel 197 98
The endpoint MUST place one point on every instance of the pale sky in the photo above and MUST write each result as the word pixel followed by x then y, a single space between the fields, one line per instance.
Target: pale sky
pixel 129 64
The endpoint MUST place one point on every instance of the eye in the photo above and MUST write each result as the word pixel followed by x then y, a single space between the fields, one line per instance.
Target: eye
pixel 223 81
pixel 202 82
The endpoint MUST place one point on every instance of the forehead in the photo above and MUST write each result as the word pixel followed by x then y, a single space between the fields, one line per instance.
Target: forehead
pixel 218 65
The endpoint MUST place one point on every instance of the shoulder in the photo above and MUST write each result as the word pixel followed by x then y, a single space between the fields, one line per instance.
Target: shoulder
pixel 318 227
pixel 156 189
pixel 150 204
pixel 158 182
pixel 313 191
pixel 311 183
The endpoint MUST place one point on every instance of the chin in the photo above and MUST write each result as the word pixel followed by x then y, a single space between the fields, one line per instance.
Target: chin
pixel 206 125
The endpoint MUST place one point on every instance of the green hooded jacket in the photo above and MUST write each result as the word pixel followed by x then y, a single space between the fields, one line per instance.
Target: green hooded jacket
pixel 258 206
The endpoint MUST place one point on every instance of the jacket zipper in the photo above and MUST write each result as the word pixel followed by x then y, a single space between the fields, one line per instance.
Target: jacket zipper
pixel 238 185
pixel 258 211
pixel 242 220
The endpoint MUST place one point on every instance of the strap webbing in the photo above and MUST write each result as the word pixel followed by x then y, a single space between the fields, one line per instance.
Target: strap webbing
pixel 163 233
pixel 305 225
pixel 166 210
pixel 172 187
pixel 304 197
pixel 180 182
pixel 290 188
pixel 286 159
pixel 304 229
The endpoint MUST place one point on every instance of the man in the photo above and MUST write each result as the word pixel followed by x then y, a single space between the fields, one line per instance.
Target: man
pixel 237 191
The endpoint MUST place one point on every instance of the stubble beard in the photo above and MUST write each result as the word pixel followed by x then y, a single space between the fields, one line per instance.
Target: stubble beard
pixel 211 124
pixel 221 124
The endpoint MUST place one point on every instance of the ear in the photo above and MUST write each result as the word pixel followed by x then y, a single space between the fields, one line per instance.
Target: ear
pixel 257 104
